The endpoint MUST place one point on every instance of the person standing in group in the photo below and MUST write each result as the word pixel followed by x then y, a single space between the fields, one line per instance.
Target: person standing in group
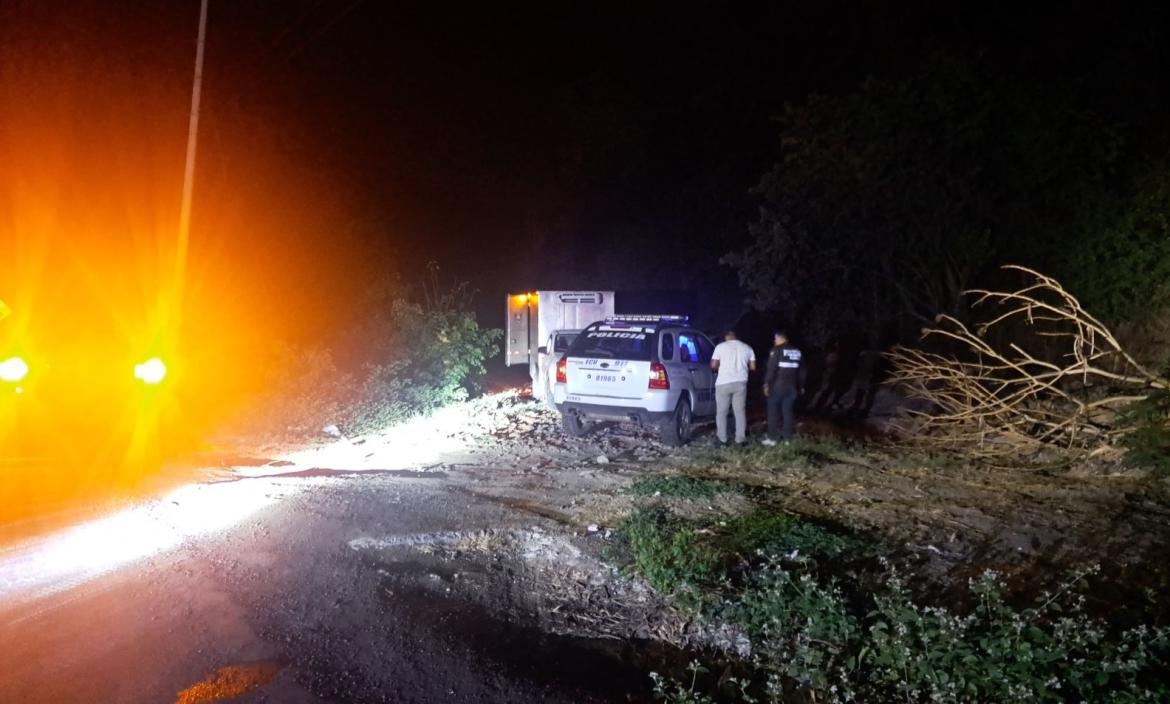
pixel 783 383
pixel 733 360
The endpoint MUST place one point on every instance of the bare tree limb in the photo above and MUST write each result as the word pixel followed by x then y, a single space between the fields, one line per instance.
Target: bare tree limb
pixel 1000 399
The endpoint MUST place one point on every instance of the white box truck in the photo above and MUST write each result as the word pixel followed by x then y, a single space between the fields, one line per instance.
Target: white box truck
pixel 542 324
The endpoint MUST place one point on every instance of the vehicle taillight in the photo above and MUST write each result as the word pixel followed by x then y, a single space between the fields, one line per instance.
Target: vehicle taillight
pixel 658 377
pixel 562 376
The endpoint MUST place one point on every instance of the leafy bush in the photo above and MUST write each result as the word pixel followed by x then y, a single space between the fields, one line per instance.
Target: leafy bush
pixel 802 631
pixel 437 354
pixel 411 358
pixel 807 636
pixel 1051 651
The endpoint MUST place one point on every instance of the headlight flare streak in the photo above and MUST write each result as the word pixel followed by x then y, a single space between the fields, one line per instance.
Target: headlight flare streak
pixel 78 554
pixel 409 445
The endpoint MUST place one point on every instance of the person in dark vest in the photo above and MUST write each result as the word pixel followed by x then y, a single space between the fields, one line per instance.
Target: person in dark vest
pixel 783 383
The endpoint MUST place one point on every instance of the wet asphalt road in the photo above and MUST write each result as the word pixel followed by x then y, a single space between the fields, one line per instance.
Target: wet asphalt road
pixel 279 608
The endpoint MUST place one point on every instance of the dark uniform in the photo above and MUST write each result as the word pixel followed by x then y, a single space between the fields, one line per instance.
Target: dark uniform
pixel 784 379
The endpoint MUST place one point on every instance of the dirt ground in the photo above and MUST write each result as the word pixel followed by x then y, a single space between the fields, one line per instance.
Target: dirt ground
pixel 462 558
pixel 948 519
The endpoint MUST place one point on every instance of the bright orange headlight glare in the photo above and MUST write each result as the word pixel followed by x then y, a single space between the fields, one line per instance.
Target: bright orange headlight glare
pixel 13 369
pixel 152 371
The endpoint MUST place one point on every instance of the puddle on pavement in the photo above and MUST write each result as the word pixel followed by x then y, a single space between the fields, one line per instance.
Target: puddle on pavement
pixel 614 669
pixel 230 682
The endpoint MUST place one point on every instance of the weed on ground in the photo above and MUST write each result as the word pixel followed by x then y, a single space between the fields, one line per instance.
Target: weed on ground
pixel 681 486
pixel 772 532
pixel 800 453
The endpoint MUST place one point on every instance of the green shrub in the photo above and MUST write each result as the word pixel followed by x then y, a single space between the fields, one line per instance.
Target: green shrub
pixel 1051 651
pixel 1147 441
pixel 803 631
pixel 807 636
pixel 437 356
pixel 406 358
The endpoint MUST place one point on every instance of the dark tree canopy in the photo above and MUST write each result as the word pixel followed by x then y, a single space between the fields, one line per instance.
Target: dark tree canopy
pixel 890 200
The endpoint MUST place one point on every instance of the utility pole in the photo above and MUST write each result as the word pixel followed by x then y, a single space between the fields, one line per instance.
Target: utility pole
pixel 189 170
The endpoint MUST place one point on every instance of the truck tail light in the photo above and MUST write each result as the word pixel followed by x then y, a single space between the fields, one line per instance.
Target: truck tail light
pixel 562 374
pixel 658 377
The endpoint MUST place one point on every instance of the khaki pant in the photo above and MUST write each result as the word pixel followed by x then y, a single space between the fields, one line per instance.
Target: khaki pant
pixel 734 395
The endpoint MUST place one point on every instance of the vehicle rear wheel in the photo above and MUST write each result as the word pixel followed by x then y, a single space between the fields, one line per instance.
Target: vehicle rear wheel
pixel 573 424
pixel 676 430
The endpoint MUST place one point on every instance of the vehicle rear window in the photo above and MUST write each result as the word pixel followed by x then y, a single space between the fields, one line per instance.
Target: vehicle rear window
pixel 563 341
pixel 614 344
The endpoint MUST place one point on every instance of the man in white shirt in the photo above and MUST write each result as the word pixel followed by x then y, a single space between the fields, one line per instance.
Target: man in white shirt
pixel 733 360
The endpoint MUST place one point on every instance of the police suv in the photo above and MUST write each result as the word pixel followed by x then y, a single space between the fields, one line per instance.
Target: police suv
pixel 647 369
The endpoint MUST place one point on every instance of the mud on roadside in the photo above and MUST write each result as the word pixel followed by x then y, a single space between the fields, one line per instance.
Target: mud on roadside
pixel 945 521
pixel 950 519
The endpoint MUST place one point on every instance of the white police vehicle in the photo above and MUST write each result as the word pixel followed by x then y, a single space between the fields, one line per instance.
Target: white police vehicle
pixel 648 369
pixel 548 355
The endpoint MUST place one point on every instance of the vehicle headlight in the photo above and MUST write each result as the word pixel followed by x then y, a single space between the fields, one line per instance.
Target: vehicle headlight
pixel 152 371
pixel 13 369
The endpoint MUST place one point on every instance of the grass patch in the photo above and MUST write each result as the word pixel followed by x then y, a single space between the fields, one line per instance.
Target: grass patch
pixel 677 556
pixel 930 461
pixel 670 553
pixel 772 532
pixel 681 486
pixel 801 453
pixel 809 447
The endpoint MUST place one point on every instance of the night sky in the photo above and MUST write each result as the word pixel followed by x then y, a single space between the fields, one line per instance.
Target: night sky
pixel 519 145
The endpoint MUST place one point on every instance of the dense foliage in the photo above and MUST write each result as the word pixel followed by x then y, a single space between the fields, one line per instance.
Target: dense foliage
pixel 438 353
pixel 766 573
pixel 891 199
pixel 407 357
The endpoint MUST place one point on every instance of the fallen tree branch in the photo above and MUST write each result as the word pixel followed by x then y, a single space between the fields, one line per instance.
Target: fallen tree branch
pixel 990 395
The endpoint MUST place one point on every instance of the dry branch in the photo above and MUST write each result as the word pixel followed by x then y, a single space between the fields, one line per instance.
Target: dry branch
pixel 993 394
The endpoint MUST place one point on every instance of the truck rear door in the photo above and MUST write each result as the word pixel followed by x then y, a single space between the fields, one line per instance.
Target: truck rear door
pixel 518 329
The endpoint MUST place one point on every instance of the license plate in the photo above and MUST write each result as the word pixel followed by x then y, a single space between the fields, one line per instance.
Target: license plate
pixel 606 377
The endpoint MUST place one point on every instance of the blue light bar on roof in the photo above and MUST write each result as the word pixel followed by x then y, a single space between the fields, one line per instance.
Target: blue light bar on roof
pixel 648 318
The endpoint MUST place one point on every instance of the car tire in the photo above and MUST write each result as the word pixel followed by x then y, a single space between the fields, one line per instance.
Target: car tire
pixel 573 424
pixel 675 431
